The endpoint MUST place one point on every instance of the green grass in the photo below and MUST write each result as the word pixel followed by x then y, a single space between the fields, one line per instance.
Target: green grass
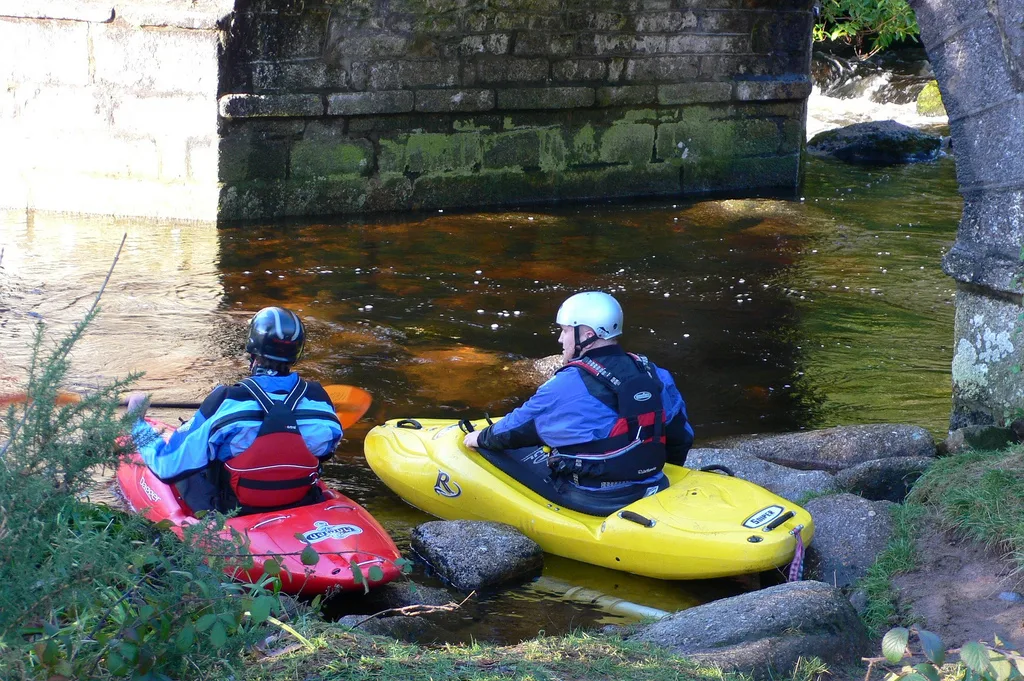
pixel 882 611
pixel 980 495
pixel 342 654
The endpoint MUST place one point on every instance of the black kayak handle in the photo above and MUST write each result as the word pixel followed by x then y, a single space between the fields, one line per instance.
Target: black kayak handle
pixel 637 518
pixel 409 423
pixel 718 467
pixel 778 521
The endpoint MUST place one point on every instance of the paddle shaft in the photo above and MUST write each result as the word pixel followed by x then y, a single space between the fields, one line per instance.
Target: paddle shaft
pixel 170 405
pixel 350 403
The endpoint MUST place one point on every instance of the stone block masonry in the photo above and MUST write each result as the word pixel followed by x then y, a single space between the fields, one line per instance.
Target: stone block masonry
pixel 111 107
pixel 258 109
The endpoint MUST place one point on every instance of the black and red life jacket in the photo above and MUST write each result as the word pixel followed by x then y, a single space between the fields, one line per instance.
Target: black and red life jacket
pixel 277 469
pixel 635 448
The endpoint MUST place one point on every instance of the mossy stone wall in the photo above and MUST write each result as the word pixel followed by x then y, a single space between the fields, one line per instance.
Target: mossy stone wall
pixel 372 105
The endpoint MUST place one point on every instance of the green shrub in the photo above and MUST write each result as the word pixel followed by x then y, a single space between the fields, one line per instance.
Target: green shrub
pixel 91 592
pixel 867 25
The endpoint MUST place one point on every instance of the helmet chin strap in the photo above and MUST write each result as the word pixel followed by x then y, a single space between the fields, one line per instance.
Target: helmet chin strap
pixel 581 345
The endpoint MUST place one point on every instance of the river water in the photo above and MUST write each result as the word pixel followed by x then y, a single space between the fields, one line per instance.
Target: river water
pixel 774 314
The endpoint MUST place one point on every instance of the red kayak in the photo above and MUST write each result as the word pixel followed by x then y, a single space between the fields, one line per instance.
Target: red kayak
pixel 339 529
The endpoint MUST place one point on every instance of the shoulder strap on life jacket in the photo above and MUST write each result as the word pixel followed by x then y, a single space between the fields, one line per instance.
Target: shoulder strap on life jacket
pixel 265 401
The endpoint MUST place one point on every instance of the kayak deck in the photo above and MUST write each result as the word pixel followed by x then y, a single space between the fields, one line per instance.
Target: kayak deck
pixel 346 537
pixel 703 525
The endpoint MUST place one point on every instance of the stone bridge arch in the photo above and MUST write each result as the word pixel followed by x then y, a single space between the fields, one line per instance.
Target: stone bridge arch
pixel 977 50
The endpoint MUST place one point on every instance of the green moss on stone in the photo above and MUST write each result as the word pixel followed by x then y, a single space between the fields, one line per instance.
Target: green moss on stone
pixel 388 192
pixel 552 150
pixel 318 158
pixel 627 143
pixel 439 153
pixel 584 146
pixel 488 187
pixel 694 138
pixel 638 116
pixel 325 195
pixel 518 149
pixel 929 101
pixel 469 126
pixel 392 156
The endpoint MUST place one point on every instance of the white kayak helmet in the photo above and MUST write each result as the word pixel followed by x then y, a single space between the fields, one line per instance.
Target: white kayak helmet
pixel 595 309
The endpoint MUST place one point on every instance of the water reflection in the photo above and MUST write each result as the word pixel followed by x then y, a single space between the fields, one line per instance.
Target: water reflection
pixel 773 316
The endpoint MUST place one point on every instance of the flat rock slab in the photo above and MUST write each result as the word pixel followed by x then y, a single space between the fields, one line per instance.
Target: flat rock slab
pixel 470 554
pixel 876 142
pixel 884 479
pixel 834 449
pixel 786 482
pixel 849 533
pixel 765 632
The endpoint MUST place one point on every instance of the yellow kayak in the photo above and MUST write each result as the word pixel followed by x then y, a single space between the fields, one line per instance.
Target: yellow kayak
pixel 703 525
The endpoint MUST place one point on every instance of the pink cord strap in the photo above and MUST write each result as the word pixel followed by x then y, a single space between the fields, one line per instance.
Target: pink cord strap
pixel 796 568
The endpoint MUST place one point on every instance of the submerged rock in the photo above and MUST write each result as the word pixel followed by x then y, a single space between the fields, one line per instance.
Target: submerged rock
pixel 876 142
pixel 419 629
pixel 884 479
pixel 786 482
pixel 849 533
pixel 834 449
pixel 765 632
pixel 471 554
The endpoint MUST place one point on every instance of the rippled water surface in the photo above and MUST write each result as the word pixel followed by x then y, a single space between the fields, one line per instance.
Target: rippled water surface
pixel 773 315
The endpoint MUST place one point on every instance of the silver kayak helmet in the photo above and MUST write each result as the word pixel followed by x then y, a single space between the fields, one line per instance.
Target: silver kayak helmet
pixel 595 309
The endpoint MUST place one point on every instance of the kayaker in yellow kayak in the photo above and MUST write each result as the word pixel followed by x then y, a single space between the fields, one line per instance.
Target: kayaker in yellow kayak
pixel 257 444
pixel 598 433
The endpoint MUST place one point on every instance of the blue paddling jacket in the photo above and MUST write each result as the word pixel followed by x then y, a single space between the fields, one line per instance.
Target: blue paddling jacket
pixel 228 422
pixel 580 414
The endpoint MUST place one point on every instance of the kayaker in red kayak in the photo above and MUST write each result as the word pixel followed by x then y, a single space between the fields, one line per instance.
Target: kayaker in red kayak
pixel 258 444
pixel 598 433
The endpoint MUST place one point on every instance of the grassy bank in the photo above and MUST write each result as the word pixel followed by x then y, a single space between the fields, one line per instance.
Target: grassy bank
pixel 882 610
pixel 338 654
pixel 978 495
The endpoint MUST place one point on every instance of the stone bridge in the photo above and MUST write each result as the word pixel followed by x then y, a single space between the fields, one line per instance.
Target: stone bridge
pixel 254 109
pixel 235 109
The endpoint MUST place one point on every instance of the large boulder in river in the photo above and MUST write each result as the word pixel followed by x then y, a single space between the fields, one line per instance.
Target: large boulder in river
pixel 884 479
pixel 471 554
pixel 765 632
pixel 834 449
pixel 876 142
pixel 786 482
pixel 849 533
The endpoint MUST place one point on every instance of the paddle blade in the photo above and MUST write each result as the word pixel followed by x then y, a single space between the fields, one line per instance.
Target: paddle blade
pixel 20 398
pixel 350 402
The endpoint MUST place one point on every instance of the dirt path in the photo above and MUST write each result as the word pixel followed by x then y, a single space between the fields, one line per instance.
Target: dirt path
pixel 956 592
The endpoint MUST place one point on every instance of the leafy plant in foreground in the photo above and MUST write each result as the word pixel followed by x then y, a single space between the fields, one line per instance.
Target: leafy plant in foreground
pixel 977 661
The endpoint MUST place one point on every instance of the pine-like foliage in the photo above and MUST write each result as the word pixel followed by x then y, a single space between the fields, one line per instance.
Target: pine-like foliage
pixel 87 591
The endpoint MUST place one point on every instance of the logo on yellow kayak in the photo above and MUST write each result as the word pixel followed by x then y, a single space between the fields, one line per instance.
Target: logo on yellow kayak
pixel 763 517
pixel 445 486
pixel 324 530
